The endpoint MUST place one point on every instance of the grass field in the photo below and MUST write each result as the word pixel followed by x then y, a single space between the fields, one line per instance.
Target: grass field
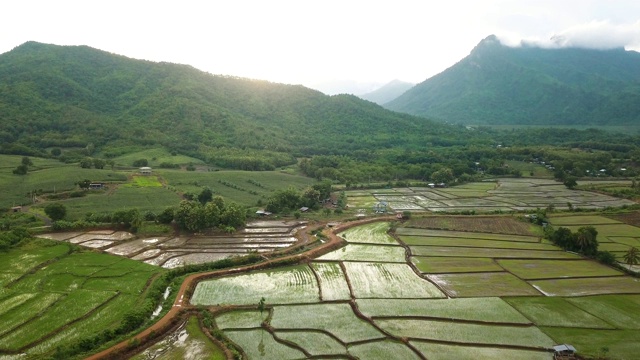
pixel 51 298
pixel 588 286
pixel 547 269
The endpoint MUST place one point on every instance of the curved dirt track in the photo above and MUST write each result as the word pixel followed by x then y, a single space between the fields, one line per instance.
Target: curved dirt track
pixel 182 301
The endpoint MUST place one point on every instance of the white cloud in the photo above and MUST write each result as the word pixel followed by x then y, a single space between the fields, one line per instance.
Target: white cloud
pixel 599 35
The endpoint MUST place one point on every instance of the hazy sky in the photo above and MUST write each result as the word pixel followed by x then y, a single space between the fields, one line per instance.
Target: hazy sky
pixel 310 41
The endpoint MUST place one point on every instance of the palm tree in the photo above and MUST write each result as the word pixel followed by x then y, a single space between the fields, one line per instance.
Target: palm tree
pixel 632 256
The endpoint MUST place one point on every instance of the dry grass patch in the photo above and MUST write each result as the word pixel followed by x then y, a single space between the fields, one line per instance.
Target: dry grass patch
pixel 488 224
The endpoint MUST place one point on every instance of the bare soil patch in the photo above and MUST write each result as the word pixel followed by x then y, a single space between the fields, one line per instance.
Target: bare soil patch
pixel 630 219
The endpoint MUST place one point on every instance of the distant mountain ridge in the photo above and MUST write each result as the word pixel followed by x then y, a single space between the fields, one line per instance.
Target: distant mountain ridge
pixel 496 84
pixel 77 97
pixel 387 92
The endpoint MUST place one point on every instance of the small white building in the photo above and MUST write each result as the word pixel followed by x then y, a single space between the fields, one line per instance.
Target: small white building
pixel 145 170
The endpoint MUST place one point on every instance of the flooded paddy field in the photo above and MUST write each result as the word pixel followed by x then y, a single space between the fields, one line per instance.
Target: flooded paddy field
pixel 171 252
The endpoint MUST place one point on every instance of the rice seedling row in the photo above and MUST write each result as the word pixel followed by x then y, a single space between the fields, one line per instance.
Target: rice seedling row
pixel 556 311
pixel 483 284
pixel 27 311
pixel 479 243
pixel 361 252
pixel 372 233
pixel 435 351
pixel 337 319
pixel 240 319
pixel 588 286
pixel 283 286
pixel 444 265
pixel 409 231
pixel 383 349
pixel 72 307
pixel 388 280
pixel 485 309
pixel 547 269
pixel 257 343
pixel 490 253
pixel 466 333
pixel 333 283
pixel 621 311
pixel 315 343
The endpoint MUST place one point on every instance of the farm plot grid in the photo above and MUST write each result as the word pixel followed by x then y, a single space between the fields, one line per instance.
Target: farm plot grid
pixel 476 307
pixel 174 252
pixel 502 195
pixel 62 294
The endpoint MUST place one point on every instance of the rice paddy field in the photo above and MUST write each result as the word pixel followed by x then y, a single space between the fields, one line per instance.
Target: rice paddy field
pixel 52 295
pixel 455 292
pixel 503 195
pixel 174 251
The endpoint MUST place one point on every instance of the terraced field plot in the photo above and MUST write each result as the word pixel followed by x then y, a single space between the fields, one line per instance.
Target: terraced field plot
pixel 54 299
pixel 503 195
pixel 283 286
pixel 359 296
pixel 172 252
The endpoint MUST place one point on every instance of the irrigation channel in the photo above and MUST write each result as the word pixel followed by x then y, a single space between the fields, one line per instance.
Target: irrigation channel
pixel 181 307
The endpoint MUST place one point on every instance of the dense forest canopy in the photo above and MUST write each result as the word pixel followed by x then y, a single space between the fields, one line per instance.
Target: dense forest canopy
pixel 497 84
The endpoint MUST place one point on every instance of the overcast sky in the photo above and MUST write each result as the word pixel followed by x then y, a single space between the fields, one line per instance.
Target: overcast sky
pixel 310 41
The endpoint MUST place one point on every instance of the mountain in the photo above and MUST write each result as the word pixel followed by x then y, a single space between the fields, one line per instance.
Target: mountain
pixel 387 92
pixel 496 84
pixel 334 87
pixel 90 102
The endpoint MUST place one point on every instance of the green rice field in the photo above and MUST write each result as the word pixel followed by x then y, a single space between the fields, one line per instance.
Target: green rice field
pixel 51 299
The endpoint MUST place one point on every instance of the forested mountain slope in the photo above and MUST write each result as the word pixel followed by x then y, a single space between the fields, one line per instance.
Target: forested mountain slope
pixel 77 96
pixel 387 92
pixel 497 84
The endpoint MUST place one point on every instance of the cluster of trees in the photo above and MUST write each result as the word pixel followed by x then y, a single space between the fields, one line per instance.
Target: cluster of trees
pixel 196 216
pixel 583 241
pixel 87 163
pixel 23 168
pixel 9 239
pixel 291 199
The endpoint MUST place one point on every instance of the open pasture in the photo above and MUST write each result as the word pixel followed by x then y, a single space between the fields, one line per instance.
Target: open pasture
pixel 581 220
pixel 155 157
pixel 621 311
pixel 548 269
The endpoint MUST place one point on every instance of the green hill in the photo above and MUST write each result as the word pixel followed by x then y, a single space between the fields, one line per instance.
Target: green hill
pixel 90 102
pixel 387 92
pixel 497 84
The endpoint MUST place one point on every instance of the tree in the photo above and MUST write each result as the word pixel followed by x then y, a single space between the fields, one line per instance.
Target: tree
pixel 261 305
pixel 56 152
pixel 632 256
pixel 84 184
pixel 21 170
pixel 205 195
pixel 570 182
pixel 26 161
pixel 99 163
pixel 585 240
pixel 55 211
pixel 141 163
pixel 86 163
pixel 166 216
pixel 444 175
